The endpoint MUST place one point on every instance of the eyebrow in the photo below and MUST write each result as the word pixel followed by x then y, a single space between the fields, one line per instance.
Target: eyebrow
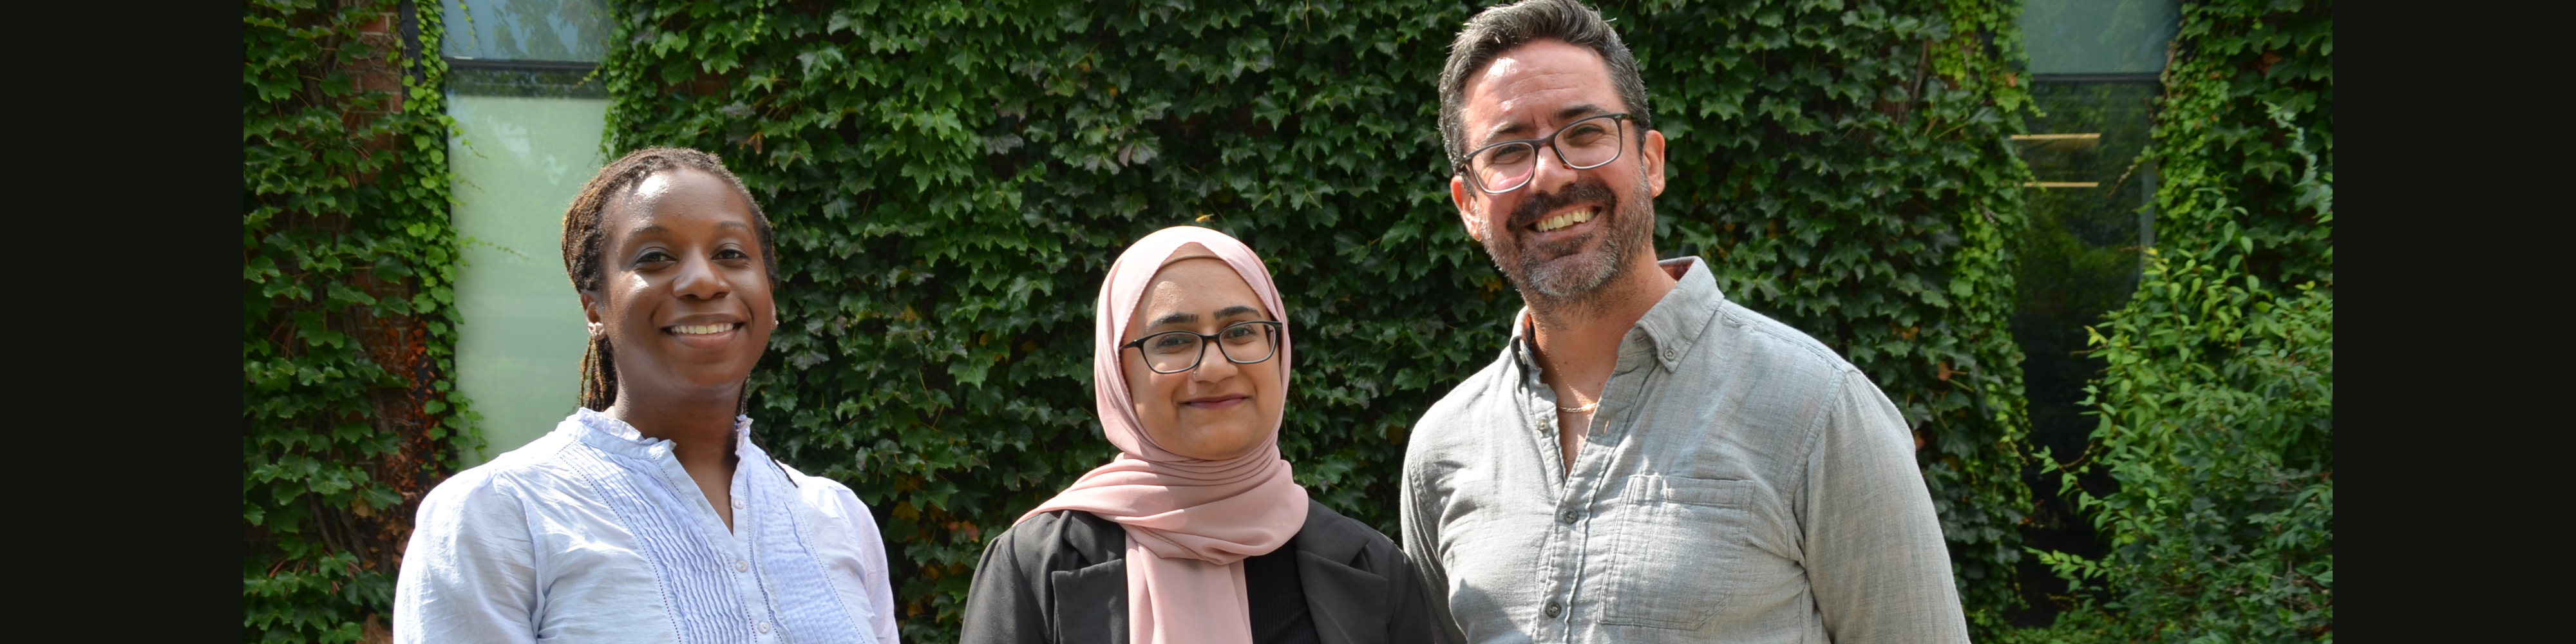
pixel 1186 318
pixel 648 229
pixel 1569 113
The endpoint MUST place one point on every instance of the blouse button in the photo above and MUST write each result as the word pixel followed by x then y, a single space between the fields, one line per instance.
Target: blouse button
pixel 738 504
pixel 741 566
pixel 764 627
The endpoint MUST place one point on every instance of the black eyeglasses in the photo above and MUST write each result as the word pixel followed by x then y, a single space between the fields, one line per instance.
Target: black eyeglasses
pixel 1582 145
pixel 1178 351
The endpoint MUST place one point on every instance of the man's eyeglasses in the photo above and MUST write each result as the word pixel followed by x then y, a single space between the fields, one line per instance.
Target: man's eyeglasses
pixel 1178 351
pixel 1581 145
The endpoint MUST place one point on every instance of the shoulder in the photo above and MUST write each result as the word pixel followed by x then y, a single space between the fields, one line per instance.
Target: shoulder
pixel 1775 349
pixel 510 481
pixel 1812 389
pixel 1492 381
pixel 804 481
pixel 1346 541
pixel 826 496
pixel 1454 417
pixel 1062 538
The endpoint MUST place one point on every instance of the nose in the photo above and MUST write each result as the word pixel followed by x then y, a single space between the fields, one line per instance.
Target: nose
pixel 1548 171
pixel 1213 365
pixel 701 279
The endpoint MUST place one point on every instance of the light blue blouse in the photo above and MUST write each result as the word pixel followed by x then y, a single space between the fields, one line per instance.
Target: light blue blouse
pixel 593 533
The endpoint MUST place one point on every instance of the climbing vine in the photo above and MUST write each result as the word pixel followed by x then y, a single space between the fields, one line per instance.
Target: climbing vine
pixel 2217 404
pixel 347 332
pixel 951 179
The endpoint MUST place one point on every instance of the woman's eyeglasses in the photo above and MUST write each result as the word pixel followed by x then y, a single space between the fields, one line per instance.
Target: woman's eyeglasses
pixel 1179 351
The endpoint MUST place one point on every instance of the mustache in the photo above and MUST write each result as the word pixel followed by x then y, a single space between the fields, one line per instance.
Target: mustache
pixel 1586 189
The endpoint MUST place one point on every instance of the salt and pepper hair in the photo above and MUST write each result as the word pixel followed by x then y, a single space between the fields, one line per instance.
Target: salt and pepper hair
pixel 585 241
pixel 1503 28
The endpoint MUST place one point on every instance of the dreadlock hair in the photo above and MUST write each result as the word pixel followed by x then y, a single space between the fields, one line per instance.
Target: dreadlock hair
pixel 584 240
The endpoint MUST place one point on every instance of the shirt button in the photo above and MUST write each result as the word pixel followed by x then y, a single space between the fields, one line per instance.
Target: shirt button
pixel 1568 516
pixel 738 504
pixel 1671 354
pixel 741 566
pixel 1554 609
pixel 764 627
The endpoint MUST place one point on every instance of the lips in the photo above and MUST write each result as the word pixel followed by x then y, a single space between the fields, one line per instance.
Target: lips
pixel 1217 402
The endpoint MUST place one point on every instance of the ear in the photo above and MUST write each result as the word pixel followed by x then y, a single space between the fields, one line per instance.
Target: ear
pixel 1467 215
pixel 590 314
pixel 1650 160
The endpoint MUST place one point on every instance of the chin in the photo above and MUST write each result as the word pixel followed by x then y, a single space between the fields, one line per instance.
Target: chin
pixel 718 379
pixel 1224 439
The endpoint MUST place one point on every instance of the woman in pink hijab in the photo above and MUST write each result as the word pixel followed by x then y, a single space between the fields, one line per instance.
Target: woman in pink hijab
pixel 1196 532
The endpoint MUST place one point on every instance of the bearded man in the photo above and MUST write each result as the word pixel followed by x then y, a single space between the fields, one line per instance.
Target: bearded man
pixel 1647 461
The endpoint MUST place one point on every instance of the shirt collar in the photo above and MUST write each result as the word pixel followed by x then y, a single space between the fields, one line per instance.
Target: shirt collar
pixel 1672 326
pixel 615 436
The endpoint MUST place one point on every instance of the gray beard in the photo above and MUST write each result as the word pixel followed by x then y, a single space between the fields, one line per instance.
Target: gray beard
pixel 1563 288
pixel 1563 283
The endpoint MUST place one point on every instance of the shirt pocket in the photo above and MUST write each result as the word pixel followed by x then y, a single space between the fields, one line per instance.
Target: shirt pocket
pixel 1676 545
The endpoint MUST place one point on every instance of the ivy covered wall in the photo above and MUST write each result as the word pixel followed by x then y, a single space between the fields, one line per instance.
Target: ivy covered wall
pixel 950 180
pixel 347 332
pixel 2211 475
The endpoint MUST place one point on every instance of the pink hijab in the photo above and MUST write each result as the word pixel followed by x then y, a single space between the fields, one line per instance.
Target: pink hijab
pixel 1190 522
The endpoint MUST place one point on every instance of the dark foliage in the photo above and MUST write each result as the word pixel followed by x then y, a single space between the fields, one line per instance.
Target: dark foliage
pixel 347 328
pixel 950 180
pixel 2217 406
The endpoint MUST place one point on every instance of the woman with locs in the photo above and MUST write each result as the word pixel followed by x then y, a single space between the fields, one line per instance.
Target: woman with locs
pixel 1195 532
pixel 649 515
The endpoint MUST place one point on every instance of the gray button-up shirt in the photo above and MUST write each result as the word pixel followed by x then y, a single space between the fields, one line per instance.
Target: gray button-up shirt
pixel 1740 483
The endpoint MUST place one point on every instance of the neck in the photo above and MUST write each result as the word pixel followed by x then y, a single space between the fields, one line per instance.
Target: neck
pixel 699 425
pixel 1578 342
pixel 700 428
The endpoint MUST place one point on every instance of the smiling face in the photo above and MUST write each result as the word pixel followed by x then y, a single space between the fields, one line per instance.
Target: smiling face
pixel 684 301
pixel 1569 231
pixel 1220 410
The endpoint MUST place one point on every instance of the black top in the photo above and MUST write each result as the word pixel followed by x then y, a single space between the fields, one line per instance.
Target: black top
pixel 1279 614
pixel 1062 577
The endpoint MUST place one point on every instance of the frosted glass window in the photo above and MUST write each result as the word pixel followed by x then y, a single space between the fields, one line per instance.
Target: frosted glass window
pixel 555 30
pixel 519 156
pixel 2098 36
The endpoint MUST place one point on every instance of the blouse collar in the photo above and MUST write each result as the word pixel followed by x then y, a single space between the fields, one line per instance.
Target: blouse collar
pixel 617 437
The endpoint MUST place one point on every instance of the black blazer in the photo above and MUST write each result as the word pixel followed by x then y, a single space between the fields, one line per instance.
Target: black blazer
pixel 1062 577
